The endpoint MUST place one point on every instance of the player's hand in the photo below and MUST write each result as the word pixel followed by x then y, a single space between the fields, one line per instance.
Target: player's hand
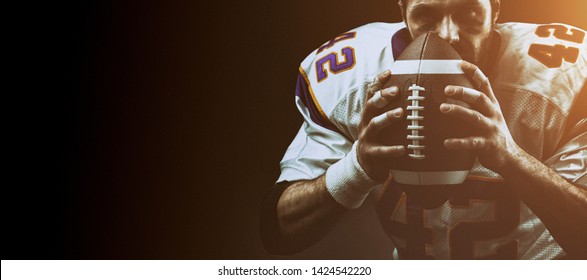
pixel 376 118
pixel 494 144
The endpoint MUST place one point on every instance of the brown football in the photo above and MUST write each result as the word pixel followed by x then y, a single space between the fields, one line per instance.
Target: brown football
pixel 421 72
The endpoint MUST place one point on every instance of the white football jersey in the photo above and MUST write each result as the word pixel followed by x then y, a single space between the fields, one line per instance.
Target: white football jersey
pixel 537 76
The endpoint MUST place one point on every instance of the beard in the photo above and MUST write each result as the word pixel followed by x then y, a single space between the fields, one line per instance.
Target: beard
pixel 475 52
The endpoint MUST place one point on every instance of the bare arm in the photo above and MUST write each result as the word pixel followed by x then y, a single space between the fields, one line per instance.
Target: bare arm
pixel 306 212
pixel 560 205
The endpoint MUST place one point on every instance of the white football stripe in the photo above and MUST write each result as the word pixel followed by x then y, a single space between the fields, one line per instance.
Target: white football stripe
pixel 429 177
pixel 426 66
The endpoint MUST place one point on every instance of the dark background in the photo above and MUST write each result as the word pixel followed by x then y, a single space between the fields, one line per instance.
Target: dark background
pixel 152 129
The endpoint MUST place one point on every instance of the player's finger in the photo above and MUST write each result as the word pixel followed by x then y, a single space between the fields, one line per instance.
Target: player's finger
pixel 469 143
pixel 469 115
pixel 478 78
pixel 474 98
pixel 383 97
pixel 387 151
pixel 378 102
pixel 378 83
pixel 378 123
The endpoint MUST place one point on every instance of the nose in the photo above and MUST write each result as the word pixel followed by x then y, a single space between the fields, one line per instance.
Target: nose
pixel 448 30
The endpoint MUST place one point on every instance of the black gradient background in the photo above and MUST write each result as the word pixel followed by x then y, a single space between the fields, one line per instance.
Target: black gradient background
pixel 152 129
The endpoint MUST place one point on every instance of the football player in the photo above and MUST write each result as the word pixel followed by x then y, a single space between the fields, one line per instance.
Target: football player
pixel 525 197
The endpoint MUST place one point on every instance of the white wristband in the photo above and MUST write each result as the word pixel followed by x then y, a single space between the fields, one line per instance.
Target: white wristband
pixel 347 182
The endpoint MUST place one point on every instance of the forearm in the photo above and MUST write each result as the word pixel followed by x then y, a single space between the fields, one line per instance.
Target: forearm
pixel 306 211
pixel 560 205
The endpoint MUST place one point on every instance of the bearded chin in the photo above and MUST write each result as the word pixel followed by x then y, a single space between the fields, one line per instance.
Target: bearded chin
pixel 476 54
pixel 481 52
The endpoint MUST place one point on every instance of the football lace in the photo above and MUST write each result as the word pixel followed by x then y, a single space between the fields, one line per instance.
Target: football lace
pixel 415 126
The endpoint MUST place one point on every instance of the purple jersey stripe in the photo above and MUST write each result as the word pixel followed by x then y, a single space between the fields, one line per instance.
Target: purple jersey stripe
pixel 399 42
pixel 304 92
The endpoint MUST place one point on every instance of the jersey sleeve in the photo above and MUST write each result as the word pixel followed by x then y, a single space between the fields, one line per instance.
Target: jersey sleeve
pixel 550 60
pixel 570 159
pixel 551 63
pixel 330 91
pixel 317 145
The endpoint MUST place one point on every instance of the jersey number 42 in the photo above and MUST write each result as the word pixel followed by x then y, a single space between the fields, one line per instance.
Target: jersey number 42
pixel 553 56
